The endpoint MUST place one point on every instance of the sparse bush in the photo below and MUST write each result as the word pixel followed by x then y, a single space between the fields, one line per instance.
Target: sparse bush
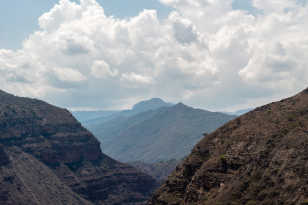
pixel 222 157
pixel 251 202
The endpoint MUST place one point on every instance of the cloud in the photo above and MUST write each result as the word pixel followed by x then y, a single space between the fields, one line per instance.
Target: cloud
pixel 205 53
pixel 135 79
pixel 184 31
pixel 74 47
pixel 68 75
pixel 101 69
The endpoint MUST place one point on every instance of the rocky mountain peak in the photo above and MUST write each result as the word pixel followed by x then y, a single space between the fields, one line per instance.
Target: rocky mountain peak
pixel 181 105
pixel 151 104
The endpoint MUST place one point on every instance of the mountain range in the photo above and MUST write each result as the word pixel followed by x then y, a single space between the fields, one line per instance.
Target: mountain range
pixel 258 158
pixel 154 131
pixel 47 157
pixel 92 118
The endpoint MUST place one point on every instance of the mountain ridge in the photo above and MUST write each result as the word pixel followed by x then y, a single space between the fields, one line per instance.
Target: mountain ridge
pixel 97 117
pixel 150 136
pixel 258 158
pixel 47 157
pixel 151 104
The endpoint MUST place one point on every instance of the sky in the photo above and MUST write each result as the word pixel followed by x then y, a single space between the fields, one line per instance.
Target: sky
pixel 211 54
pixel 23 16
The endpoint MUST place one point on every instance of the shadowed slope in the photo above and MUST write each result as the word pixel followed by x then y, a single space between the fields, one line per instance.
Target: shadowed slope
pixel 45 153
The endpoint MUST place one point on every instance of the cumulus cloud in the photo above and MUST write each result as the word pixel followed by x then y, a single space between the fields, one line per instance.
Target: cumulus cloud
pixel 65 78
pixel 205 53
pixel 184 30
pixel 101 69
pixel 136 78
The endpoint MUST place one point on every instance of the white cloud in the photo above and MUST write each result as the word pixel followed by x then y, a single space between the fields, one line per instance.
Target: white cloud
pixel 184 31
pixel 274 5
pixel 205 54
pixel 101 69
pixel 136 78
pixel 68 75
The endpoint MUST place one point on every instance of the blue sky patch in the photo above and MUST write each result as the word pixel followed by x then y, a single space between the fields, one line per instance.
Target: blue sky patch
pixel 19 18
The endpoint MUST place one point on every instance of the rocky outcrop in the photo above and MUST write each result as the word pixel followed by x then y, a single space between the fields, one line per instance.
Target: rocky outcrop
pixel 258 158
pixel 28 181
pixel 46 154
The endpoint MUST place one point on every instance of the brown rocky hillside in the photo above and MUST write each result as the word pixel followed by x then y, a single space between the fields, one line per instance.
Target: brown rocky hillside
pixel 260 158
pixel 47 157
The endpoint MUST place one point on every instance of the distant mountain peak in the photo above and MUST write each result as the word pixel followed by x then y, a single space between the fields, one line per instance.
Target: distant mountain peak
pixel 180 104
pixel 156 100
pixel 152 104
pixel 152 100
pixel 130 137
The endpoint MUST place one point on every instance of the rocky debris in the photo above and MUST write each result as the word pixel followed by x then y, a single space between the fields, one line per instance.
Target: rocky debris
pixel 259 158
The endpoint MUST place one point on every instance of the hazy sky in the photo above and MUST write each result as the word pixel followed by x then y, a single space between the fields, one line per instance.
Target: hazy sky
pixel 214 54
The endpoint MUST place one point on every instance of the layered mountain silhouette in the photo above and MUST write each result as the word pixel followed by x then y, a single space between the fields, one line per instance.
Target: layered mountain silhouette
pixel 158 132
pixel 47 157
pixel 258 158
pixel 96 118
pixel 88 116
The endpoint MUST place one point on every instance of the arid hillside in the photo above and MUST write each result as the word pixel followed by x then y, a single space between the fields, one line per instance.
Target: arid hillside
pixel 260 158
pixel 47 157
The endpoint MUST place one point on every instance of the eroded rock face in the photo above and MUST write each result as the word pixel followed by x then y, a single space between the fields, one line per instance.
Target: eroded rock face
pixel 258 158
pixel 71 155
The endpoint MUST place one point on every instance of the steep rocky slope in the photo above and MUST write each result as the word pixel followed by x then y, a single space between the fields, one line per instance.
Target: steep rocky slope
pixel 258 158
pixel 157 135
pixel 25 180
pixel 47 157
